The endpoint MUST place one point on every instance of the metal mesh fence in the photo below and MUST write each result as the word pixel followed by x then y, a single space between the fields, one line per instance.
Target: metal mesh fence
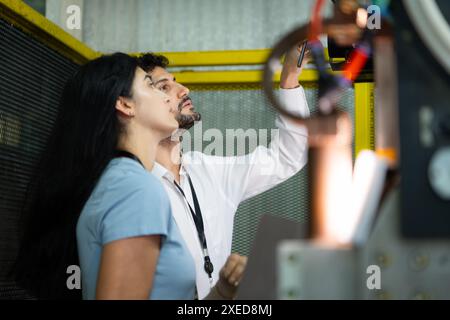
pixel 31 80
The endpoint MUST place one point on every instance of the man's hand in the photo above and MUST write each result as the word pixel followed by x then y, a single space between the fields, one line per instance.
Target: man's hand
pixel 290 71
pixel 230 276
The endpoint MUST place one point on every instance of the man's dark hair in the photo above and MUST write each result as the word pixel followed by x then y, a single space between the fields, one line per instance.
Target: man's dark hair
pixel 149 61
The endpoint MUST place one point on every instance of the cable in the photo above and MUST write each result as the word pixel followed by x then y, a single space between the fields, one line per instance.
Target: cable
pixel 432 27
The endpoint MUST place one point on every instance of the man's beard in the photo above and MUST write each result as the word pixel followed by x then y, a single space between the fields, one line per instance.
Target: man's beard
pixel 186 121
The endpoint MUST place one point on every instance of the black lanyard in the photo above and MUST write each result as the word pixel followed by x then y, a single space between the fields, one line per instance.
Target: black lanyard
pixel 198 220
pixel 126 154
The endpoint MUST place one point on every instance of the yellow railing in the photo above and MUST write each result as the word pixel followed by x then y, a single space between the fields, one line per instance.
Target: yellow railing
pixel 218 58
pixel 364 117
pixel 256 57
pixel 233 77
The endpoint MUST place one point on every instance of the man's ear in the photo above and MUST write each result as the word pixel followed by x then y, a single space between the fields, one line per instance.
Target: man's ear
pixel 125 106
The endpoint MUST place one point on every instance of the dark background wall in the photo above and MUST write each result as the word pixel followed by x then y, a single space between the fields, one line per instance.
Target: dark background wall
pixel 31 80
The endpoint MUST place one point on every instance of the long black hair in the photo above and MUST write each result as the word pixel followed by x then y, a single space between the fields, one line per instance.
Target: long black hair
pixel 83 142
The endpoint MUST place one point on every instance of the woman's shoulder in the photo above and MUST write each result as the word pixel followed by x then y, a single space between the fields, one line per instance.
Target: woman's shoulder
pixel 128 172
pixel 126 180
pixel 129 201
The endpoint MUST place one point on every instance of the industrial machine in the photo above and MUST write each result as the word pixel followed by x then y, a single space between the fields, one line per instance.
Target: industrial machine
pixel 379 227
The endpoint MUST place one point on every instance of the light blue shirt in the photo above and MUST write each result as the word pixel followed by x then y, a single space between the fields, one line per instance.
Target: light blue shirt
pixel 128 201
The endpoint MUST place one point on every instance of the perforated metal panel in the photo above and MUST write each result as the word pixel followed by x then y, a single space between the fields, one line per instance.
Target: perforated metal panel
pixel 180 25
pixel 233 107
pixel 31 80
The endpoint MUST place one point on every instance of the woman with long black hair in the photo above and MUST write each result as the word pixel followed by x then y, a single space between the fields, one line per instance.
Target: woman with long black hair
pixel 94 197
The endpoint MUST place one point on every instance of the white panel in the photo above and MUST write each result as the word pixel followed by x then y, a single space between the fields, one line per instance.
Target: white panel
pixel 187 25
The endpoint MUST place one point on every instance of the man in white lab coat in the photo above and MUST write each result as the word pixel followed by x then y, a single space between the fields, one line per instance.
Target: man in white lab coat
pixel 212 187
